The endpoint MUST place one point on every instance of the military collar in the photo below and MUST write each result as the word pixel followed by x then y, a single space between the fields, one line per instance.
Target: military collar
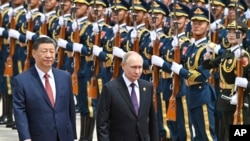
pixel 50 13
pixel 200 41
pixel 159 30
pixel 82 19
pixel 181 34
pixel 66 15
pixel 18 8
pixel 122 25
pixel 34 10
pixel 4 6
pixel 233 48
pixel 140 26
pixel 101 21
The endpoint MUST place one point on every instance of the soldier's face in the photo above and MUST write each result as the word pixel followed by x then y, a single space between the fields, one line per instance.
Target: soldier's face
pixel 100 9
pixel 199 28
pixel 158 20
pixel 218 10
pixel 67 5
pixel 140 15
pixel 231 36
pixel 35 3
pixel 182 22
pixel 50 5
pixel 18 2
pixel 122 14
pixel 44 55
pixel 81 10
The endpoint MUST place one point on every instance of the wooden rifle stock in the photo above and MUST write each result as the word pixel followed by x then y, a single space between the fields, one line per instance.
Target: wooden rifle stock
pixel 248 23
pixel 238 116
pixel 8 71
pixel 117 61
pixel 171 112
pixel 29 47
pixel 93 85
pixel 77 60
pixel 136 45
pixel 60 49
pixel 226 21
pixel 44 27
pixel 155 73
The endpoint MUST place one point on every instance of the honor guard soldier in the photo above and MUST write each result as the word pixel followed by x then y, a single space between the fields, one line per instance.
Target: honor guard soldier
pixel 16 52
pixel 104 50
pixel 5 5
pixel 200 94
pixel 157 14
pixel 180 129
pixel 227 63
pixel 84 102
pixel 138 38
pixel 119 17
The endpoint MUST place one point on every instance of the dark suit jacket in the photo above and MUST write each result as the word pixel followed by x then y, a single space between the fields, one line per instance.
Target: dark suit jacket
pixel 116 117
pixel 34 115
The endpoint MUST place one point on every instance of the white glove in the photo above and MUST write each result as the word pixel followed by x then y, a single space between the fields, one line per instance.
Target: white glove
pixel 74 26
pixel 238 53
pixel 1 31
pixel 95 27
pixel 217 48
pixel 118 52
pixel 77 47
pixel 153 35
pixel 226 11
pixel 174 42
pixel 241 82
pixel 29 35
pixel 42 18
pixel 115 28
pixel 176 67
pixel 28 16
pixel 234 99
pixel 96 50
pixel 10 13
pixel 62 43
pixel 156 60
pixel 247 13
pixel 108 11
pixel 14 33
pixel 214 25
pixel 210 47
pixel 61 21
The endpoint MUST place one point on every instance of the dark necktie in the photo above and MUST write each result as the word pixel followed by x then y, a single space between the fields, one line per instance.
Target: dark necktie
pixel 49 90
pixel 134 98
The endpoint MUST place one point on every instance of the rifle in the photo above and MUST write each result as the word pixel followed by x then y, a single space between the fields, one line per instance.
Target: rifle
pixel 93 85
pixel 77 55
pixel 44 27
pixel 8 71
pixel 155 68
pixel 29 43
pixel 117 42
pixel 171 112
pixel 136 40
pixel 61 35
pixel 214 39
pixel 238 116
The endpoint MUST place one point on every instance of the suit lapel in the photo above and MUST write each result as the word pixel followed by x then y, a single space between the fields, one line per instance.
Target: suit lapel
pixel 125 94
pixel 59 88
pixel 142 90
pixel 35 78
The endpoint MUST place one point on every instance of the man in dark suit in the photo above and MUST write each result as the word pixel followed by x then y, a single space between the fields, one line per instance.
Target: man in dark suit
pixel 44 107
pixel 125 112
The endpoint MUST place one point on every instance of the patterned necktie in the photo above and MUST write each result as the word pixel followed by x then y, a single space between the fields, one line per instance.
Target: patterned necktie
pixel 134 98
pixel 49 90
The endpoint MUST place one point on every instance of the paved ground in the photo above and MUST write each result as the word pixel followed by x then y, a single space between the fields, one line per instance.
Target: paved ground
pixel 7 134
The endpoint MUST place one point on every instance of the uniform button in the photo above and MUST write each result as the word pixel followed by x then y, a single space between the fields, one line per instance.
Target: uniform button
pixel 200 87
